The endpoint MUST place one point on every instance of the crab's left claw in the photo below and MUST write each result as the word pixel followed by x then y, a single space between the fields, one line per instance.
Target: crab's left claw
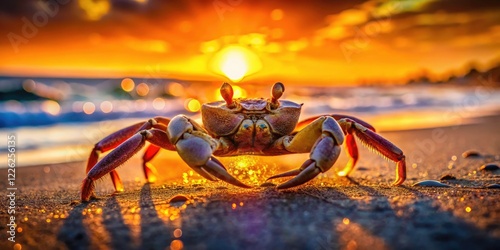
pixel 324 152
pixel 214 167
pixel 304 174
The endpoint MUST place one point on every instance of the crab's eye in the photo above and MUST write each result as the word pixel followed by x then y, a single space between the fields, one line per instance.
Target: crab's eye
pixel 277 92
pixel 226 92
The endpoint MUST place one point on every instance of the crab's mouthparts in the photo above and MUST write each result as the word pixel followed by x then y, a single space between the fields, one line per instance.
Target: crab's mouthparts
pixel 254 112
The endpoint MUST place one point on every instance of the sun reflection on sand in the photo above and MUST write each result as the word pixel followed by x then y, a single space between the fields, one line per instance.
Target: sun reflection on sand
pixel 252 170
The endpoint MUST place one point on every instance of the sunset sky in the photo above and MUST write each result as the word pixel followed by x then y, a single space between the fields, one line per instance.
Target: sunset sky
pixel 325 42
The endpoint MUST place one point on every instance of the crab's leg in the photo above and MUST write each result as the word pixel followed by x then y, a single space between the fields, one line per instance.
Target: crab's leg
pixel 379 144
pixel 121 154
pixel 196 148
pixel 150 172
pixel 322 138
pixel 113 140
pixel 352 151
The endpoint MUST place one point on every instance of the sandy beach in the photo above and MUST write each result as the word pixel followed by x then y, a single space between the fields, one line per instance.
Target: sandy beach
pixel 331 212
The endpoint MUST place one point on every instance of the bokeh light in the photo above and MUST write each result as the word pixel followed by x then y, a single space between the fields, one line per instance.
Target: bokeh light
pixel 158 103
pixel 346 221
pixel 88 108
pixel 51 107
pixel 127 84
pixel 175 89
pixel 95 9
pixel 106 107
pixel 142 89
pixel 192 105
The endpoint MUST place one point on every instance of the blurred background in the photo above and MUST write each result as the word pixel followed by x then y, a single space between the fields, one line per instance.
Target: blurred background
pixel 72 72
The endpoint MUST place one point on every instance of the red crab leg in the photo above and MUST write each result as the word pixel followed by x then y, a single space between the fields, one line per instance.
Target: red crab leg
pixel 150 172
pixel 352 150
pixel 113 140
pixel 379 144
pixel 121 154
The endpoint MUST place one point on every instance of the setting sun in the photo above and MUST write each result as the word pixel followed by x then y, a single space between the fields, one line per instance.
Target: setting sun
pixel 235 62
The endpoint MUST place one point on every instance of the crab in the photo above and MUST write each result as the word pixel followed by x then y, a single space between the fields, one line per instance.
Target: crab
pixel 241 126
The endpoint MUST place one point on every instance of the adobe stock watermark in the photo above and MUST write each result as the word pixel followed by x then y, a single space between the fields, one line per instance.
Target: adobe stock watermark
pixel 222 6
pixel 457 115
pixel 363 36
pixel 30 27
pixel 11 187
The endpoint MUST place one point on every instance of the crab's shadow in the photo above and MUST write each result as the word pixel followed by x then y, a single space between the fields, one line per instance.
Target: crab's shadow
pixel 77 233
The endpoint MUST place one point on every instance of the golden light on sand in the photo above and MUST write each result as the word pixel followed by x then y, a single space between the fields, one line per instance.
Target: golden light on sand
pixel 346 221
pixel 127 84
pixel 51 107
pixel 177 233
pixel 235 62
pixel 176 245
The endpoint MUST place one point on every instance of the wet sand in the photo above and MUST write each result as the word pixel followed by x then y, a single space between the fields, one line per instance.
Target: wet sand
pixel 331 212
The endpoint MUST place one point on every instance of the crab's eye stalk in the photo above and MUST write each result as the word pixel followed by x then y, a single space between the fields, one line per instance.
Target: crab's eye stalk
pixel 277 92
pixel 226 92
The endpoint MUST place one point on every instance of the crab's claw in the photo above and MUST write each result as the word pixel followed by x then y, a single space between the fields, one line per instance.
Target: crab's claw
pixel 195 148
pixel 305 173
pixel 324 152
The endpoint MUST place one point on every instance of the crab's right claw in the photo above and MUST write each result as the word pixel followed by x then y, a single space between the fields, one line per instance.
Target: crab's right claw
pixel 196 150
